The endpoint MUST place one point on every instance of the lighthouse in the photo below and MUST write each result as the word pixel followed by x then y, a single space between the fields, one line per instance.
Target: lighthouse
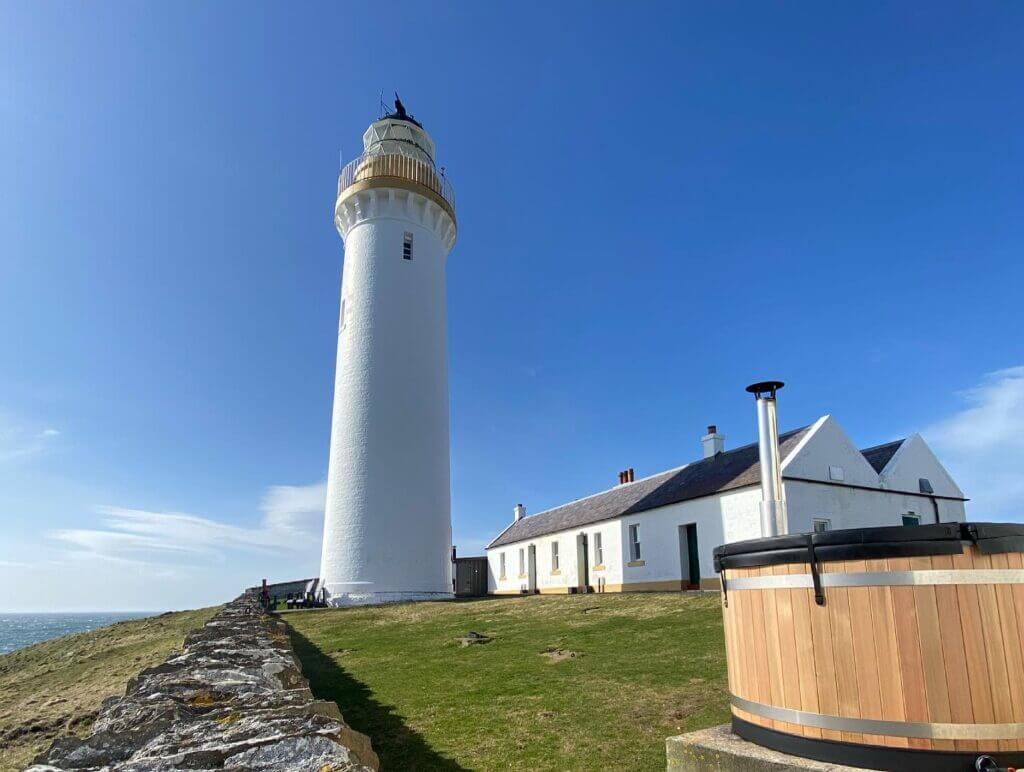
pixel 387 521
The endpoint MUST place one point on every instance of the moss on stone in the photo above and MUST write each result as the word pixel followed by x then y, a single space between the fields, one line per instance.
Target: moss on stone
pixel 55 687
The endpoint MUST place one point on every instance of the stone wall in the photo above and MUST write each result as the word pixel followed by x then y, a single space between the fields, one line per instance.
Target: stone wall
pixel 233 699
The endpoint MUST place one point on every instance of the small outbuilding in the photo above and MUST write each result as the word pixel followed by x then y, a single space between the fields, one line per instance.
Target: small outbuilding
pixel 469 577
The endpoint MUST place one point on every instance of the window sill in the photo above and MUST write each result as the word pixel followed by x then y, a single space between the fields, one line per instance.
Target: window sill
pixel 556 572
pixel 636 563
pixel 599 567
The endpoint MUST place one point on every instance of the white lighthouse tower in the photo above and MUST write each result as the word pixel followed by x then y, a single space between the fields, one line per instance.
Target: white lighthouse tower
pixel 387 525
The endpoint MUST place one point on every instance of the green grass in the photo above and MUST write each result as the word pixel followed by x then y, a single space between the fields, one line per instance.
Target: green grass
pixel 56 687
pixel 651 665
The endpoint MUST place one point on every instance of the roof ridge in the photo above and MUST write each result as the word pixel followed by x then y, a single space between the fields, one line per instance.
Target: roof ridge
pixel 607 490
pixel 657 474
pixel 628 496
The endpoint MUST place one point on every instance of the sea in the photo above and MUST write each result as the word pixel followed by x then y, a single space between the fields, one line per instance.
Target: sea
pixel 20 630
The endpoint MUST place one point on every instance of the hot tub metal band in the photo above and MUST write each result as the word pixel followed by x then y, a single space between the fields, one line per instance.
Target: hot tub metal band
pixel 881 579
pixel 883 728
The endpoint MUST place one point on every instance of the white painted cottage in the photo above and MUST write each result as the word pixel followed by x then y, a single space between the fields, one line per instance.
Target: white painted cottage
pixel 658 533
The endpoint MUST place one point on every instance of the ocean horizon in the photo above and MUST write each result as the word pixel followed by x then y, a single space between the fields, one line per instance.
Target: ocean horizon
pixel 19 629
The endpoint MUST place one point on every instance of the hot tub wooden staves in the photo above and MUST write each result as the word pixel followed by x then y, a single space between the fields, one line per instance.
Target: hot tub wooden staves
pixel 893 648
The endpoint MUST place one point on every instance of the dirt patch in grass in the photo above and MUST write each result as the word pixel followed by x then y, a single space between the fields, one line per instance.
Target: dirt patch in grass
pixel 56 687
pixel 559 655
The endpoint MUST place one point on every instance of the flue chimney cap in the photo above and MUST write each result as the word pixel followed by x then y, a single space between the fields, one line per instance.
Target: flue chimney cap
pixel 765 389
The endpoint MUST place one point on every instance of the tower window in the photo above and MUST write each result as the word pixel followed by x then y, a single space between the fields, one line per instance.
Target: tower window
pixel 407 247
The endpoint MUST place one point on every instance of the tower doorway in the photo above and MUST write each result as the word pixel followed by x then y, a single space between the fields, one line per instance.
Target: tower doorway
pixel 689 557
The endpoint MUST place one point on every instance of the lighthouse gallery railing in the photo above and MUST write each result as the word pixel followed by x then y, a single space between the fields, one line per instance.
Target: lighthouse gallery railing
pixel 405 167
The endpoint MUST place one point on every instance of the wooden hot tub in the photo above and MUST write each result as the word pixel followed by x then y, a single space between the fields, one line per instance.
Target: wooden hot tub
pixel 890 648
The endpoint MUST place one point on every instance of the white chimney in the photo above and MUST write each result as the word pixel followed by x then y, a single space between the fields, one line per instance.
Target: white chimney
pixel 520 512
pixel 714 443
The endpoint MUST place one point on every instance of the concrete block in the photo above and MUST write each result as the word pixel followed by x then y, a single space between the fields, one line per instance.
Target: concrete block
pixel 719 750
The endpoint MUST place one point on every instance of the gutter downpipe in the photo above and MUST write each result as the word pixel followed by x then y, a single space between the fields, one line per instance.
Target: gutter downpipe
pixel 773 507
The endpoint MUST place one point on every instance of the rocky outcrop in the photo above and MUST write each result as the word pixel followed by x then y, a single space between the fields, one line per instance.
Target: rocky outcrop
pixel 233 699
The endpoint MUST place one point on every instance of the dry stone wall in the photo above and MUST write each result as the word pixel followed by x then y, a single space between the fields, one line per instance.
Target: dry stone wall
pixel 233 699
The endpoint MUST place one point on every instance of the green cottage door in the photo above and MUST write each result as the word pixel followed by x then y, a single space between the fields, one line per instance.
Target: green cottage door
pixel 689 558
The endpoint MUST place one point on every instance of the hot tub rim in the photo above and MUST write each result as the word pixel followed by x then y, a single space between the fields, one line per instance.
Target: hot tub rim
pixel 870 544
pixel 878 757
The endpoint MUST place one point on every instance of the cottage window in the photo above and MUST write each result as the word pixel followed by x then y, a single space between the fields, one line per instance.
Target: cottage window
pixel 501 562
pixel 911 518
pixel 522 561
pixel 554 556
pixel 822 524
pixel 634 542
pixel 598 550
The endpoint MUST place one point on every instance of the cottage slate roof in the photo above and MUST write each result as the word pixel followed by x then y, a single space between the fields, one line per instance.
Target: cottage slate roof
pixel 880 455
pixel 725 471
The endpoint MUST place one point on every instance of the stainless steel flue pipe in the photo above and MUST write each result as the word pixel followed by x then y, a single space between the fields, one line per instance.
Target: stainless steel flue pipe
pixel 773 506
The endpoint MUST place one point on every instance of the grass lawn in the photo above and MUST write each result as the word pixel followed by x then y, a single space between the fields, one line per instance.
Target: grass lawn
pixel 648 666
pixel 56 687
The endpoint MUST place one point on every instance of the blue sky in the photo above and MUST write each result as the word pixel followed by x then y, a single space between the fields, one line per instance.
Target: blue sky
pixel 658 204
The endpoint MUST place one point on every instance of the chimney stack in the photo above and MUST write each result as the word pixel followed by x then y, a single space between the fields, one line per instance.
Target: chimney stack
pixel 773 508
pixel 520 512
pixel 626 476
pixel 714 443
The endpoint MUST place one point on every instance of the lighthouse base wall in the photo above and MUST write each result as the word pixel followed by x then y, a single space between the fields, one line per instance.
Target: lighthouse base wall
pixel 342 599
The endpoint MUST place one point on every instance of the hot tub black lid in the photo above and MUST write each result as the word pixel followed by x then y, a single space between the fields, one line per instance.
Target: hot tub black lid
pixel 899 541
pixel 994 538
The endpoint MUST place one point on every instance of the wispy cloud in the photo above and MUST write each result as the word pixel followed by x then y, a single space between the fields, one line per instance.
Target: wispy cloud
pixel 295 509
pixel 291 520
pixel 19 442
pixel 983 445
